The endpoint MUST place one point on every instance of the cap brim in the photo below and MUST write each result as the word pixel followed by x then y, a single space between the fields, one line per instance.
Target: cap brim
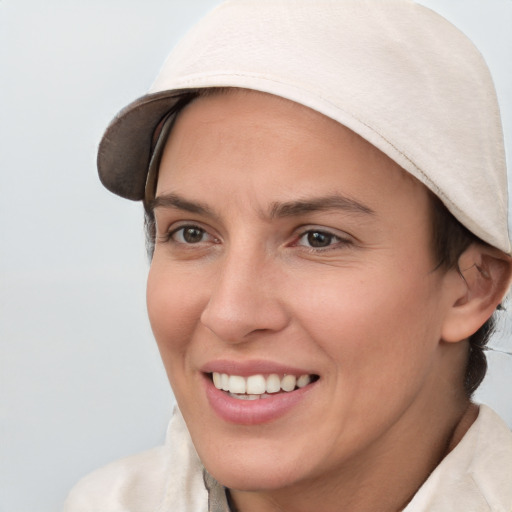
pixel 124 152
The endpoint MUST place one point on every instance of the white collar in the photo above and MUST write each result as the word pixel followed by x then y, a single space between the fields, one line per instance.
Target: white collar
pixel 476 476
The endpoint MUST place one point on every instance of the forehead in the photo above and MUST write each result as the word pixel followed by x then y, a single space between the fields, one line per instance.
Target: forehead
pixel 260 112
pixel 249 137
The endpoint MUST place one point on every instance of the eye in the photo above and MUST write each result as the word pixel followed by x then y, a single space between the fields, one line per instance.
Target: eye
pixel 190 235
pixel 318 239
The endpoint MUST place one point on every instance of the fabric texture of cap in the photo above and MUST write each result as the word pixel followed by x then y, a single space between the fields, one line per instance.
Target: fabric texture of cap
pixel 396 73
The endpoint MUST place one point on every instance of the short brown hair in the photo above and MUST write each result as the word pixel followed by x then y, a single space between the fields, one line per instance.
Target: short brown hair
pixel 450 239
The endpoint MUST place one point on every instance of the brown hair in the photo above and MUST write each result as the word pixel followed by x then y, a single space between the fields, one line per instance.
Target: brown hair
pixel 450 239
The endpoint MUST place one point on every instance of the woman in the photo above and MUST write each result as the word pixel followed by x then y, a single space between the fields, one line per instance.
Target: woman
pixel 325 196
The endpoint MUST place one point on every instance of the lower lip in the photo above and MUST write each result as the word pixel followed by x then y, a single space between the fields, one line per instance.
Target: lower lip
pixel 253 412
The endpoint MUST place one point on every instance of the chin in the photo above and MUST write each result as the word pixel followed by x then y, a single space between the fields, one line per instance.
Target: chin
pixel 253 478
pixel 256 468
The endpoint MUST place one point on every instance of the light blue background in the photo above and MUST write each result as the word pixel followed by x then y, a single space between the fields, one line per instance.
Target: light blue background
pixel 81 382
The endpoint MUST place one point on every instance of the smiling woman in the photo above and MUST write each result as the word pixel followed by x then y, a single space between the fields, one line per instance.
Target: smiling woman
pixel 312 312
pixel 253 298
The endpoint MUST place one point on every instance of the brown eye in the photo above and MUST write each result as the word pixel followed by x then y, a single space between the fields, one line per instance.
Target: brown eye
pixel 193 235
pixel 319 239
pixel 189 235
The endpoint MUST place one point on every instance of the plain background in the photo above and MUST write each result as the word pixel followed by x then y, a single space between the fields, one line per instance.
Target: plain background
pixel 81 382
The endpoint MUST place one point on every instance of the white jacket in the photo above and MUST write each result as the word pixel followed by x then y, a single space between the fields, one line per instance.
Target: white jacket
pixel 475 477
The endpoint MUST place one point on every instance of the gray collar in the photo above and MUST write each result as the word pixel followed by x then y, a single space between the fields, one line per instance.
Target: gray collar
pixel 217 499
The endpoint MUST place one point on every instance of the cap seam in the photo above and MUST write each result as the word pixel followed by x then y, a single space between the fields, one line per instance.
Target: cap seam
pixel 434 187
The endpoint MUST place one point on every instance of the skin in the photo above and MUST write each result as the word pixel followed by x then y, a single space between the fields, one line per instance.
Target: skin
pixel 366 313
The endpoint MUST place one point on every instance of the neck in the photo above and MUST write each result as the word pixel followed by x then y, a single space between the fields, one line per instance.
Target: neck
pixel 384 478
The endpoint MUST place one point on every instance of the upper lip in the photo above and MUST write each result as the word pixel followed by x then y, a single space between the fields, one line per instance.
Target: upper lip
pixel 253 367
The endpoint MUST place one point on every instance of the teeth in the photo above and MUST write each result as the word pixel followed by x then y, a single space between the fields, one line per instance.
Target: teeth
pixel 237 385
pixel 288 382
pixel 245 397
pixel 217 380
pixel 273 383
pixel 258 386
pixel 224 382
pixel 303 380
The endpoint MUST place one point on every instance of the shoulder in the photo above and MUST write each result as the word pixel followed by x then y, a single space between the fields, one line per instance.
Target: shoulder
pixel 134 483
pixel 491 464
pixel 476 476
pixel 165 479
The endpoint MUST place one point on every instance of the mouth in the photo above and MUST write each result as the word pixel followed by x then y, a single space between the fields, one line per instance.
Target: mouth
pixel 256 391
pixel 260 386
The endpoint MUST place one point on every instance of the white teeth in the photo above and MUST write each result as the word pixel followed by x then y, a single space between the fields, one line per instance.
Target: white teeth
pixel 237 384
pixel 288 382
pixel 258 386
pixel 273 383
pixel 224 382
pixel 217 380
pixel 244 397
pixel 303 380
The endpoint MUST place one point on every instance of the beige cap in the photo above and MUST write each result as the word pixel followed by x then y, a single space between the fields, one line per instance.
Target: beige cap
pixel 394 72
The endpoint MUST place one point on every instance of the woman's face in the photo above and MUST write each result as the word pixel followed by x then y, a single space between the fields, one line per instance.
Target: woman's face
pixel 288 245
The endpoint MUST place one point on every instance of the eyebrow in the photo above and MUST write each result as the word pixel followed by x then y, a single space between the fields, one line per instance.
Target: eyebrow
pixel 277 210
pixel 175 201
pixel 319 204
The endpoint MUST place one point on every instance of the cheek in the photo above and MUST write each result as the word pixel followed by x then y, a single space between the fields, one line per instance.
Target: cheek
pixel 174 305
pixel 374 330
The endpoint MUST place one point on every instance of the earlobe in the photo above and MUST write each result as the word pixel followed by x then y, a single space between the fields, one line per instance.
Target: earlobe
pixel 486 274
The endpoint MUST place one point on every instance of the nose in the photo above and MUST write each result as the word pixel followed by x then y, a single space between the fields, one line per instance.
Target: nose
pixel 245 299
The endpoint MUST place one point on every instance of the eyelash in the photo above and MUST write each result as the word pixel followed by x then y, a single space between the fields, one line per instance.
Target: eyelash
pixel 338 240
pixel 333 241
pixel 171 235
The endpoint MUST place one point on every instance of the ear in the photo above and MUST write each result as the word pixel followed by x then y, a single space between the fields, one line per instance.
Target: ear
pixel 485 273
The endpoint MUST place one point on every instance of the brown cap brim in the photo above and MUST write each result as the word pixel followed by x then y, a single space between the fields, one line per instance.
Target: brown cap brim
pixel 125 150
